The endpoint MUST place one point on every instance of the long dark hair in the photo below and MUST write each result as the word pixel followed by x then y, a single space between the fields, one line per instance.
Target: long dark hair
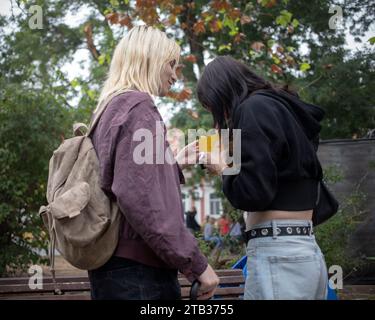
pixel 224 84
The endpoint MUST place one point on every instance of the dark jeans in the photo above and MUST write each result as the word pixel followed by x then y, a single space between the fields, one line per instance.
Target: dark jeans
pixel 124 279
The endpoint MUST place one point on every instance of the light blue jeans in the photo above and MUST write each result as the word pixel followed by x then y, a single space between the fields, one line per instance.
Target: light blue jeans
pixel 285 267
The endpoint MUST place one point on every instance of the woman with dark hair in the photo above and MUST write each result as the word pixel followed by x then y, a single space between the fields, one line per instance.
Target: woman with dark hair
pixel 278 179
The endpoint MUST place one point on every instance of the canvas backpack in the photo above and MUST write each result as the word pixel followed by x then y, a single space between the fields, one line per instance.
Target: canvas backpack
pixel 83 223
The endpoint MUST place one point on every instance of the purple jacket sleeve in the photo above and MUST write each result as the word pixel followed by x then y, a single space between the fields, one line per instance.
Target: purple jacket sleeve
pixel 149 193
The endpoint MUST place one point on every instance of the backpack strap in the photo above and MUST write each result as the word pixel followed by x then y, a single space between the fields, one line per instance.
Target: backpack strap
pixel 101 108
pixel 52 247
pixel 79 128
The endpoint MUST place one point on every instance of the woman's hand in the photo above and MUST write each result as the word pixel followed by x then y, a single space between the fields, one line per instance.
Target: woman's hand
pixel 188 155
pixel 214 162
pixel 209 281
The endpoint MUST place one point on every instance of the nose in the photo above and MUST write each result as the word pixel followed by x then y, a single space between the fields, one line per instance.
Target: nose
pixel 174 76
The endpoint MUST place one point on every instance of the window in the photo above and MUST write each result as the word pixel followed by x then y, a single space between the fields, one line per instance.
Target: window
pixel 215 204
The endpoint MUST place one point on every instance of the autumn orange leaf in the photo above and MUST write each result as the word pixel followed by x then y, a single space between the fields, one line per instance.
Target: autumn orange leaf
pixel 172 94
pixel 220 5
pixel 245 19
pixel 184 94
pixel 176 10
pixel 276 69
pixel 172 19
pixel 257 46
pixel 199 27
pixel 193 114
pixel 280 49
pixel 271 3
pixel 239 37
pixel 112 17
pixel 235 13
pixel 125 20
pixel 181 96
pixel 215 26
pixel 191 58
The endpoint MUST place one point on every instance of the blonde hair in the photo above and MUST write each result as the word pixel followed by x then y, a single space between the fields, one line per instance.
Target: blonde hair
pixel 138 60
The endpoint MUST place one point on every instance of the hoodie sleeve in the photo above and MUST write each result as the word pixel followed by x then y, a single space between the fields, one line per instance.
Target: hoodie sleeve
pixel 255 186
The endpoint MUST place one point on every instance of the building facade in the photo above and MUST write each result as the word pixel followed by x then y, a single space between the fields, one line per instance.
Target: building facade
pixel 204 198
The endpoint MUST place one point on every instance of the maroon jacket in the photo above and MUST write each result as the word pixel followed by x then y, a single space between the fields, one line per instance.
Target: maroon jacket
pixel 149 196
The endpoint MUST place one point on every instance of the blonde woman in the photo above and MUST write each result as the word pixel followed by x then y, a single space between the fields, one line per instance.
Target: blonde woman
pixel 154 242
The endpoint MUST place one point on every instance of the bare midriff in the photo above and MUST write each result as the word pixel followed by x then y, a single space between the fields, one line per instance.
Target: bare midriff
pixel 254 218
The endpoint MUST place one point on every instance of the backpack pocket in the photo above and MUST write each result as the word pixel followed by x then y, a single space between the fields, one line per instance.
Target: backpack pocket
pixel 71 203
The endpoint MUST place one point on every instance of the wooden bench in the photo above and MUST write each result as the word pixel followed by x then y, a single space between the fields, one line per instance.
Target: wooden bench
pixel 78 287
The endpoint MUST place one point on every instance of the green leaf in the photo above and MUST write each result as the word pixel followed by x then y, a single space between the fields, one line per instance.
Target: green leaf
pixel 91 94
pixel 304 66
pixel 114 3
pixel 252 53
pixel 225 47
pixel 276 59
pixel 232 25
pixel 270 43
pixel 126 2
pixel 280 20
pixel 108 58
pixel 284 18
pixel 228 22
pixel 295 23
pixel 101 59
pixel 288 15
pixel 233 32
pixel 372 40
pixel 74 83
pixel 208 18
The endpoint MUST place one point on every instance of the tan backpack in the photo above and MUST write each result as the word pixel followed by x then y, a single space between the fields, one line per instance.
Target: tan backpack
pixel 83 223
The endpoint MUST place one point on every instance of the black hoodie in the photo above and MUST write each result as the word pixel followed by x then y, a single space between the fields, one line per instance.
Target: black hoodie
pixel 279 165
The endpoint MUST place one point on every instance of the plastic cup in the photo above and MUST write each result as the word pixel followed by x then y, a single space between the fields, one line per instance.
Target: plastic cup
pixel 209 143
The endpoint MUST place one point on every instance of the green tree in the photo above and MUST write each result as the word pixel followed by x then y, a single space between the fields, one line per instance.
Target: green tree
pixel 34 118
pixel 344 87
pixel 31 125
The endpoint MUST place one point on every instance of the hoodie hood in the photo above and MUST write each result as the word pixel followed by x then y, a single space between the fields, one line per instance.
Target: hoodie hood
pixel 308 115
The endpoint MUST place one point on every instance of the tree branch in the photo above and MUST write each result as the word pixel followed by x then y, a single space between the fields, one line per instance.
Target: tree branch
pixel 90 42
